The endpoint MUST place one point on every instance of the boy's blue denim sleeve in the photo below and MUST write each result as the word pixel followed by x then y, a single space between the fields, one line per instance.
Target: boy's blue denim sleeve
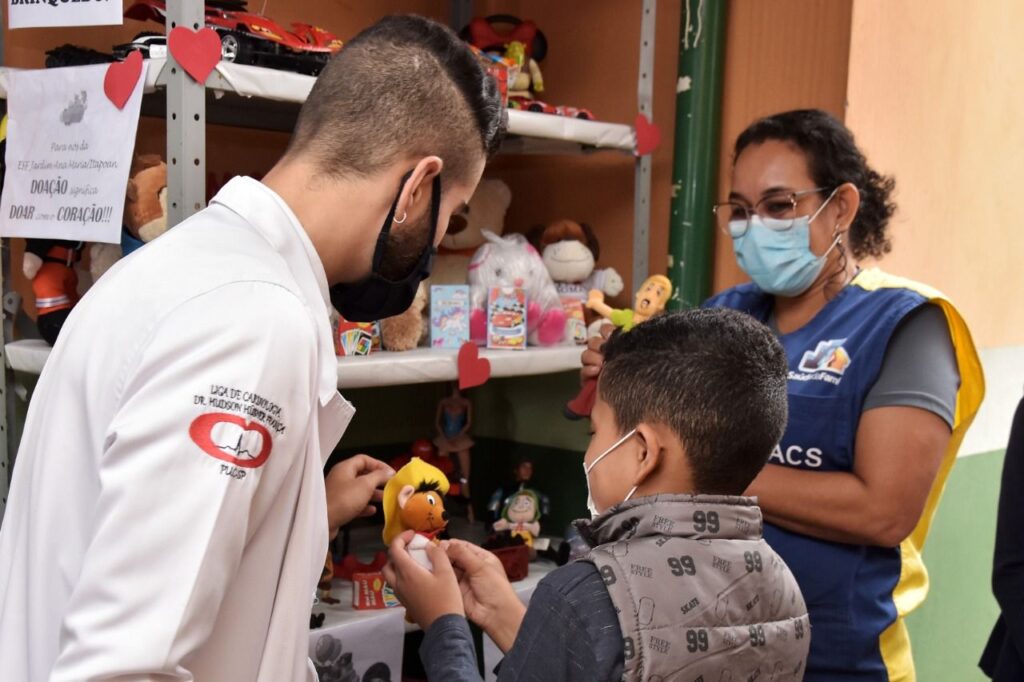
pixel 447 651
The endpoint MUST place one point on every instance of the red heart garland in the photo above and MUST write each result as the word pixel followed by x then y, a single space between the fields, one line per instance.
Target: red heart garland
pixel 648 137
pixel 196 51
pixel 121 78
pixel 473 369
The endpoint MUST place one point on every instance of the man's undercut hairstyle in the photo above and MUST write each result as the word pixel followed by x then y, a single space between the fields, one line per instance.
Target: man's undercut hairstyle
pixel 716 377
pixel 405 87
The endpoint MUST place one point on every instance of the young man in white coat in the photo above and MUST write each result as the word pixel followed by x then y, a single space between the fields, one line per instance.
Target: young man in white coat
pixel 168 515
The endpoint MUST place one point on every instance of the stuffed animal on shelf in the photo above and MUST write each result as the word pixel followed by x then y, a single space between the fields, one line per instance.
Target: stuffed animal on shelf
pixel 651 299
pixel 570 251
pixel 145 213
pixel 511 261
pixel 50 265
pixel 521 516
pixel 485 211
pixel 405 330
pixel 414 500
pixel 522 474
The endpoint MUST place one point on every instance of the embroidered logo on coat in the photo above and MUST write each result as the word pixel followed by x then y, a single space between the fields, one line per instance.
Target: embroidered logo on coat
pixel 827 362
pixel 231 438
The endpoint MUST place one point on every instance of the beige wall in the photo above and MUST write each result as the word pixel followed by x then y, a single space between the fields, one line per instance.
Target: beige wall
pixel 936 98
pixel 779 55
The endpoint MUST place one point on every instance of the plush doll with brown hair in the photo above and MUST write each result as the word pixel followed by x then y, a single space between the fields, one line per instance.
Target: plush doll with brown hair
pixel 570 251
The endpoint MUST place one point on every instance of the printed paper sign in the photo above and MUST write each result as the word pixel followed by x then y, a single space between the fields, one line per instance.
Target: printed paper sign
pixel 30 13
pixel 362 649
pixel 69 150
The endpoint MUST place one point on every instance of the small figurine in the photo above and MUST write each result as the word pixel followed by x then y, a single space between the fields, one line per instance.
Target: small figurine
pixel 520 516
pixel 414 500
pixel 50 265
pixel 650 300
pixel 522 473
pixel 454 419
pixel 323 587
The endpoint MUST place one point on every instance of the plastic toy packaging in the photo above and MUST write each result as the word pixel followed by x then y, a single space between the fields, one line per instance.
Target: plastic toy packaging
pixel 510 262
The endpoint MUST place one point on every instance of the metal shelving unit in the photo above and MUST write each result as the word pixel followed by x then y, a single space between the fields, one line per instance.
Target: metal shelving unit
pixel 255 97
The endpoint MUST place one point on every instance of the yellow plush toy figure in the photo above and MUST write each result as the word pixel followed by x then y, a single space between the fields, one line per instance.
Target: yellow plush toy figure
pixel 414 500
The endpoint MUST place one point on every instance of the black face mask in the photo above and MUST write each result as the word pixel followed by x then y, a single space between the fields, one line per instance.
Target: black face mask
pixel 376 297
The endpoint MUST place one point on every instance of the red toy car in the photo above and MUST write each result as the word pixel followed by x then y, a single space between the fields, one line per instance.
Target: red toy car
pixel 248 38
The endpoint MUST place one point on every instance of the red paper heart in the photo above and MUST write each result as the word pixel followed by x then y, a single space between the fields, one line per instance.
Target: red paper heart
pixel 196 51
pixel 473 369
pixel 121 78
pixel 214 434
pixel 648 137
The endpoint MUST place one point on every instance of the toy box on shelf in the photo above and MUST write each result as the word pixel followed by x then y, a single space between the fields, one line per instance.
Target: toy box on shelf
pixel 449 315
pixel 506 318
pixel 356 338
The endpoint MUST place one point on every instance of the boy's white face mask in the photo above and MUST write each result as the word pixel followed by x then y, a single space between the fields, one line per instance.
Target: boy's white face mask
pixel 591 507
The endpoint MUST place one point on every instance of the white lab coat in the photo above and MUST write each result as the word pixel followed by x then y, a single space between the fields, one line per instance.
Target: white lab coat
pixel 142 540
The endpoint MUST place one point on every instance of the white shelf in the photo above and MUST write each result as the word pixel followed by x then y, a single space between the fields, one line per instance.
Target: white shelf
pixel 422 365
pixel 529 132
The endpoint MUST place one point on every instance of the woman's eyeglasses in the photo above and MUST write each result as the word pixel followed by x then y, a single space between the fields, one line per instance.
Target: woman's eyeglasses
pixel 734 218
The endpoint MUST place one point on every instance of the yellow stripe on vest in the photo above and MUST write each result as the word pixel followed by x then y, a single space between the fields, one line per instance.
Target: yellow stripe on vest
pixel 912 587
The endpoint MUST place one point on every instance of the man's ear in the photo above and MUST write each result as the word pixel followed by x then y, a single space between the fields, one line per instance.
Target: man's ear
pixel 416 193
pixel 649 456
pixel 404 495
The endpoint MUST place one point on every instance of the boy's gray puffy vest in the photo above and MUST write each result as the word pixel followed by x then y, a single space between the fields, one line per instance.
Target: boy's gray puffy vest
pixel 700 595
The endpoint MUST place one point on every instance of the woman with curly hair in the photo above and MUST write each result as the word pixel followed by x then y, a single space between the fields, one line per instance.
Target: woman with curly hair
pixel 883 382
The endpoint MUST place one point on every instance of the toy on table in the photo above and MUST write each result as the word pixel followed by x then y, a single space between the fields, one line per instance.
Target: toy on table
pixel 651 299
pixel 510 261
pixel 453 421
pixel 323 586
pixel 506 318
pixel 414 500
pixel 449 315
pixel 521 516
pixel 522 474
pixel 50 265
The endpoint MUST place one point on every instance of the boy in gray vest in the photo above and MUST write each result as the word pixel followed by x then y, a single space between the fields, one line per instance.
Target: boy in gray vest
pixel 678 583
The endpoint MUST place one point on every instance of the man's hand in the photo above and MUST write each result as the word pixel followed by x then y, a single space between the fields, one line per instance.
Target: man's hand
pixel 487 595
pixel 593 357
pixel 426 596
pixel 352 485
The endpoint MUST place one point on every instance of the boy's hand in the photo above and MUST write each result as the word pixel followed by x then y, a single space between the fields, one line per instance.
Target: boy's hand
pixel 352 485
pixel 593 357
pixel 487 595
pixel 426 596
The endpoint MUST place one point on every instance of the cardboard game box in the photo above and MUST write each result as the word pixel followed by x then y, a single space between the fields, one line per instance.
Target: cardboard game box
pixel 506 318
pixel 369 591
pixel 575 321
pixel 356 338
pixel 449 315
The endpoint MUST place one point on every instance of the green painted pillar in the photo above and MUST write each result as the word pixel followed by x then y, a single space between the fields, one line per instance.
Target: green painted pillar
pixel 695 160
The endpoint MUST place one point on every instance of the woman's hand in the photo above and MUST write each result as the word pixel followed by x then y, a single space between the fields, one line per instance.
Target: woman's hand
pixel 426 596
pixel 487 595
pixel 593 357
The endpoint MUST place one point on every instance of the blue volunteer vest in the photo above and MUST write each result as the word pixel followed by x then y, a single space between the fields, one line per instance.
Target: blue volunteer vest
pixel 856 595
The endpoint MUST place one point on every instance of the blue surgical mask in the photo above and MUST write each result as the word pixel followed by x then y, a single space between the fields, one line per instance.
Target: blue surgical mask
pixel 777 253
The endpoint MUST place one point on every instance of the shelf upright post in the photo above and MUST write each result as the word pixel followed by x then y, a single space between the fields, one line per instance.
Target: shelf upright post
pixel 186 123
pixel 642 172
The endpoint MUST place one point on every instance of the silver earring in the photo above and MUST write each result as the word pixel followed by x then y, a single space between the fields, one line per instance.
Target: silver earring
pixel 405 214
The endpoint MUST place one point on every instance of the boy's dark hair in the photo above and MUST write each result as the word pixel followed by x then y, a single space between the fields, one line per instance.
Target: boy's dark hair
pixel 404 87
pixel 833 159
pixel 716 377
